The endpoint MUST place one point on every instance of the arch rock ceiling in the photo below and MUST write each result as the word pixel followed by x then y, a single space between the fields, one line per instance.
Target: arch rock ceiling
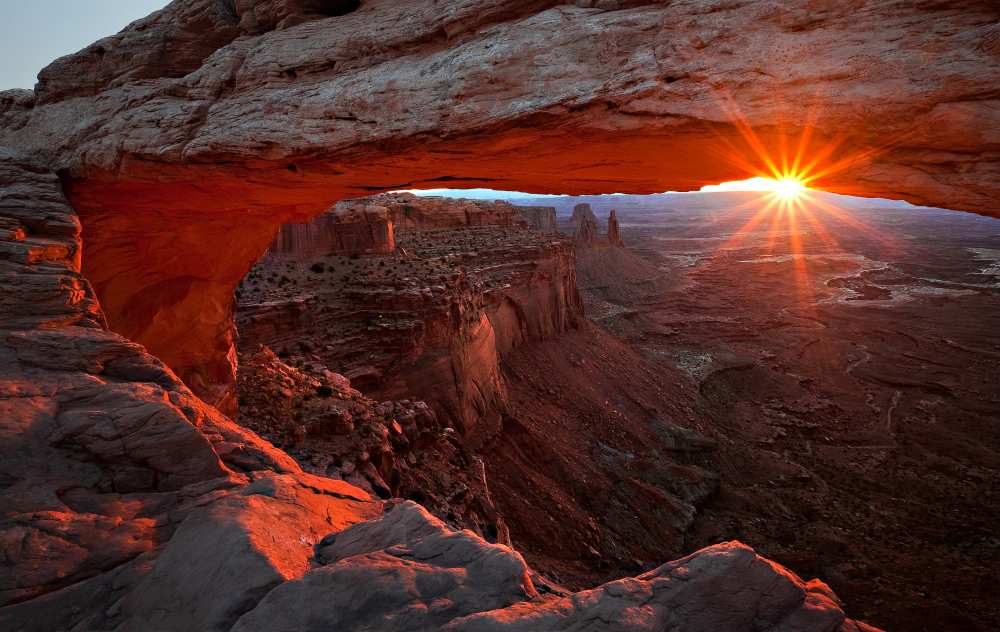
pixel 185 140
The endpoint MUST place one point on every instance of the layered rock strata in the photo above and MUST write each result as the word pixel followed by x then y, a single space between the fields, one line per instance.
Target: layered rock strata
pixel 391 449
pixel 541 218
pixel 584 226
pixel 431 321
pixel 409 211
pixel 123 493
pixel 347 229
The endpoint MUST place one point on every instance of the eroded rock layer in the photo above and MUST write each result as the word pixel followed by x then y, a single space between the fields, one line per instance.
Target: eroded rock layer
pixel 431 321
pixel 614 232
pixel 541 218
pixel 409 211
pixel 347 229
pixel 584 226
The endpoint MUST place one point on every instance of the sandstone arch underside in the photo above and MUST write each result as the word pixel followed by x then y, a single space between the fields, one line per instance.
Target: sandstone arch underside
pixel 186 140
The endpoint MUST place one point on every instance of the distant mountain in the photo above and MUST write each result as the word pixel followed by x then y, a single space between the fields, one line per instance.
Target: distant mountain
pixel 693 201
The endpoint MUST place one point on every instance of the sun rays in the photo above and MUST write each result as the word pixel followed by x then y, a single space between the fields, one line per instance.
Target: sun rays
pixel 790 218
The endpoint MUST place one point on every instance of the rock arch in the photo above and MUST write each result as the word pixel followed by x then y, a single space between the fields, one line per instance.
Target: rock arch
pixel 183 164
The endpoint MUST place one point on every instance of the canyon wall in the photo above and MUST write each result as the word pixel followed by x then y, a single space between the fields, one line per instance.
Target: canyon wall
pixel 347 229
pixel 425 213
pixel 432 321
pixel 210 116
pixel 365 225
pixel 541 218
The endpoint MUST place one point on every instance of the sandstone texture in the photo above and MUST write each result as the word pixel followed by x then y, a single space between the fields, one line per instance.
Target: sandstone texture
pixel 408 211
pixel 127 503
pixel 124 494
pixel 367 225
pixel 210 115
pixel 394 449
pixel 347 229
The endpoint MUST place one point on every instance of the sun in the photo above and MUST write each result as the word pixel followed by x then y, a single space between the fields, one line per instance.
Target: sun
pixel 788 188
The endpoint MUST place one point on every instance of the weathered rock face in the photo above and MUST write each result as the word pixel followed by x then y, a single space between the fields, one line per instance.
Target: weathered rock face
pixel 394 449
pixel 346 229
pixel 672 597
pixel 408 211
pixel 614 233
pixel 582 213
pixel 585 226
pixel 541 218
pixel 212 115
pixel 120 486
pixel 366 225
pixel 433 321
pixel 127 503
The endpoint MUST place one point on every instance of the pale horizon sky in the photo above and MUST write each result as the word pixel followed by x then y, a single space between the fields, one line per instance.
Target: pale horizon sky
pixel 33 33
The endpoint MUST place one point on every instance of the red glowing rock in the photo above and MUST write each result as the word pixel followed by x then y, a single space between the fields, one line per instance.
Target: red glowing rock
pixel 223 121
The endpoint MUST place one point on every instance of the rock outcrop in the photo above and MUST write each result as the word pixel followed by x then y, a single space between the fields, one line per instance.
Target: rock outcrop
pixel 366 225
pixel 432 321
pixel 582 214
pixel 541 218
pixel 210 115
pixel 394 449
pixel 123 494
pixel 356 229
pixel 408 211
pixel 127 503
pixel 614 233
pixel 584 226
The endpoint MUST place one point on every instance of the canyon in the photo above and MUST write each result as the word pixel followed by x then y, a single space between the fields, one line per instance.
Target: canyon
pixel 845 353
pixel 763 405
pixel 462 319
pixel 464 283
pixel 146 175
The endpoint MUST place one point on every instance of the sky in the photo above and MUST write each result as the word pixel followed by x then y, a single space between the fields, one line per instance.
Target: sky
pixel 35 32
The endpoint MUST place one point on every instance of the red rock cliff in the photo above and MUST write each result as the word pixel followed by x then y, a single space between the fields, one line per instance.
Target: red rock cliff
pixel 431 322
pixel 346 229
